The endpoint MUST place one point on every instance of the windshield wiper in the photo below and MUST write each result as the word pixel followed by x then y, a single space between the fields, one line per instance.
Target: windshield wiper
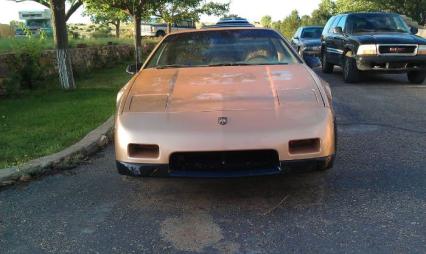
pixel 168 66
pixel 244 64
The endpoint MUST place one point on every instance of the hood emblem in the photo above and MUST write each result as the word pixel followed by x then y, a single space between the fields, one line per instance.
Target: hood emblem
pixel 396 50
pixel 222 121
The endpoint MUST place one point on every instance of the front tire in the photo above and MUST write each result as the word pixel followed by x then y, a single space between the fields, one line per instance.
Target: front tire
pixel 351 73
pixel 326 66
pixel 416 77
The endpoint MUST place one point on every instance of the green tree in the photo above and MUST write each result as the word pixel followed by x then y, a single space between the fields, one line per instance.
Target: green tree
pixel 290 24
pixel 266 21
pixel 325 10
pixel 306 20
pixel 66 76
pixel 137 9
pixel 415 9
pixel 172 11
pixel 355 6
pixel 104 14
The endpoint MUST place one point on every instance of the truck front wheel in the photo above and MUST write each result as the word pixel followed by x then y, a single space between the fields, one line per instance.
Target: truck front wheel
pixel 416 77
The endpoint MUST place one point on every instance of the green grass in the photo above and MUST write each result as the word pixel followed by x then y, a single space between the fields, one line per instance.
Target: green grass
pixel 45 121
pixel 7 45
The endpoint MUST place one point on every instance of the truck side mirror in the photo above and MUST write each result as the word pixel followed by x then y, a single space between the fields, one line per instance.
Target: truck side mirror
pixel 338 30
pixel 132 69
pixel 414 30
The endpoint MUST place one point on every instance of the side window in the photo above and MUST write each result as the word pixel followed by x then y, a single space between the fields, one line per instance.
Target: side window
pixel 336 21
pixel 342 22
pixel 328 25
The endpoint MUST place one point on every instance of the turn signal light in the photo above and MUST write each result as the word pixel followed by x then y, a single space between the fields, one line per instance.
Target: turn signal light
pixel 144 151
pixel 304 146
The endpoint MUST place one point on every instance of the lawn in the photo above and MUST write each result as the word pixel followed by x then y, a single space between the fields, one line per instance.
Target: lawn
pixel 8 44
pixel 45 121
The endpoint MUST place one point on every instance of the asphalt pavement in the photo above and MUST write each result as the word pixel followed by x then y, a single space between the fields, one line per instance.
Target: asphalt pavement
pixel 372 201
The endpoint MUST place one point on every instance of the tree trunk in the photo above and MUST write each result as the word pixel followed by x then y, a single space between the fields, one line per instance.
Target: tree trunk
pixel 138 39
pixel 61 41
pixel 169 27
pixel 117 28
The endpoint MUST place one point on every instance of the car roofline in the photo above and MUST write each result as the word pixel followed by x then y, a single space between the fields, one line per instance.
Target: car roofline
pixel 220 28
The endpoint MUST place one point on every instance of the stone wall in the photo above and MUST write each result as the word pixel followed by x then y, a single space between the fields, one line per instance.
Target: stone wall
pixel 83 60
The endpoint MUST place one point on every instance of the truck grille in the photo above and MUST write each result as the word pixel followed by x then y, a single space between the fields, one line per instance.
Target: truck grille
pixel 398 50
pixel 225 161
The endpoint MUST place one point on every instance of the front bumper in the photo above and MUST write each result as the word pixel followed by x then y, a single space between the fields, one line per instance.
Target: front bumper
pixel 163 170
pixel 391 63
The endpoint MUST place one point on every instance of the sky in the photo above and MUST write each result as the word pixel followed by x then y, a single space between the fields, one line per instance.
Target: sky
pixel 250 9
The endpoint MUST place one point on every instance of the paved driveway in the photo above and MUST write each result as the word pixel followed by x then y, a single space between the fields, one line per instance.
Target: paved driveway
pixel 373 201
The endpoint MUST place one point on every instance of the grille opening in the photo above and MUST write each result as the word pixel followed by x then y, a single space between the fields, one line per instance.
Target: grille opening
pixel 397 49
pixel 144 151
pixel 305 146
pixel 225 161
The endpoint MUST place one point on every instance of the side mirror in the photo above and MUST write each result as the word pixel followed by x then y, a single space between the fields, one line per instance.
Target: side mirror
pixel 338 30
pixel 414 30
pixel 132 69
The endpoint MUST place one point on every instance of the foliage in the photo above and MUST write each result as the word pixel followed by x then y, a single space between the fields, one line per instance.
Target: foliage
pixel 266 21
pixel 356 6
pixel 325 10
pixel 106 15
pixel 172 11
pixel 27 71
pixel 290 24
pixel 415 9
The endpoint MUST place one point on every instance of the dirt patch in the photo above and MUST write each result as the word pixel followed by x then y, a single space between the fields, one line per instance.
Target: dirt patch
pixel 191 232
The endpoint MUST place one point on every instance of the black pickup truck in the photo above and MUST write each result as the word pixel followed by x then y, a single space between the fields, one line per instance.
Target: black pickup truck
pixel 373 42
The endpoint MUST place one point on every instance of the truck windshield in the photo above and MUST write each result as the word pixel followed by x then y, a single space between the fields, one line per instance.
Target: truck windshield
pixel 222 48
pixel 365 23
pixel 312 33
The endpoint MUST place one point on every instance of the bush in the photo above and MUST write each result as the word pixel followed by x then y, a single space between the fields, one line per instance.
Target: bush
pixel 27 72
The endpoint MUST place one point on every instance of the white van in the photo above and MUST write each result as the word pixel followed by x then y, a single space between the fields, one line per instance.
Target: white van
pixel 155 29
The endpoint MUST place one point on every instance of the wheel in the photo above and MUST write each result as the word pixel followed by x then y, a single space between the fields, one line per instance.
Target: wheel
pixel 326 66
pixel 351 73
pixel 416 77
pixel 325 164
pixel 160 33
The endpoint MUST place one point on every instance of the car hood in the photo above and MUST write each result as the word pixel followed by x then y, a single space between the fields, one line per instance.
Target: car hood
pixel 223 88
pixel 311 42
pixel 389 38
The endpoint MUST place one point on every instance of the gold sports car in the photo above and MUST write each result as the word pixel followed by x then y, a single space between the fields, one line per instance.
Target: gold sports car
pixel 223 102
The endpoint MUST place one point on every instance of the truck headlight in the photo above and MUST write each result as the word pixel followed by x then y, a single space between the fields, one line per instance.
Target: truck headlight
pixel 421 50
pixel 367 50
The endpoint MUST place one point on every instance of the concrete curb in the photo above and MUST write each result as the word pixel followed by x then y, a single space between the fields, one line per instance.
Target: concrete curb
pixel 89 145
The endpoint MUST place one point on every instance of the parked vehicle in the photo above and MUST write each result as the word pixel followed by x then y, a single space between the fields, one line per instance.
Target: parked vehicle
pixel 373 42
pixel 223 102
pixel 154 29
pixel 36 22
pixel 233 22
pixel 307 40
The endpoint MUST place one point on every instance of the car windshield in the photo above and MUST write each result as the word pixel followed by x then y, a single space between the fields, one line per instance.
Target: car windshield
pixel 222 48
pixel 311 33
pixel 376 23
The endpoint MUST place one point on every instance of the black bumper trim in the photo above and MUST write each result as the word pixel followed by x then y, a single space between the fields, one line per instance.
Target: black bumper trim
pixel 163 170
pixel 414 63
